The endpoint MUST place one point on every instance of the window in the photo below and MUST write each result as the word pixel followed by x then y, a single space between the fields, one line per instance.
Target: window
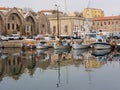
pixel 54 29
pixel 116 22
pixel 104 23
pixel 43 25
pixel 112 22
pixel 17 26
pixel 8 26
pixel 12 26
pixel 13 18
pixel 66 29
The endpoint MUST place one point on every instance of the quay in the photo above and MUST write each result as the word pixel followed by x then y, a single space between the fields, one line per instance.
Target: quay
pixel 18 43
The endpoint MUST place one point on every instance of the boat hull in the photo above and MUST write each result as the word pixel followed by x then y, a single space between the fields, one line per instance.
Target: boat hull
pixel 61 46
pixel 101 46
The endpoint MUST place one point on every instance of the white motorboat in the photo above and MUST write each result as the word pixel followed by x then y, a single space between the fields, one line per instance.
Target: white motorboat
pixel 61 45
pixel 101 52
pixel 101 43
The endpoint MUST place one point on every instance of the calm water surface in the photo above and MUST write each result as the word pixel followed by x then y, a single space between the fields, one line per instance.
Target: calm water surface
pixel 59 70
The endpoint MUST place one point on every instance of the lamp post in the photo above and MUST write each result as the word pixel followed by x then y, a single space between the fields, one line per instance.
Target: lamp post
pixel 57 18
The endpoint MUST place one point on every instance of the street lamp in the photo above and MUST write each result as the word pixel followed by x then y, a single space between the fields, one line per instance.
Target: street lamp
pixel 57 18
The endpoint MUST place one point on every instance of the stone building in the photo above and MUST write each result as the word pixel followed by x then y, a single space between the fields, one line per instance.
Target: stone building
pixel 16 20
pixel 92 13
pixel 68 24
pixel 107 24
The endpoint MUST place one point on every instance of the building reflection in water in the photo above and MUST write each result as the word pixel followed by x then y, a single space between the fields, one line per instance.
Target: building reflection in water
pixel 14 62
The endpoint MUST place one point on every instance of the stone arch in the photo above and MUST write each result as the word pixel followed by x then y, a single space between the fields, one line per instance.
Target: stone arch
pixel 30 26
pixel 44 24
pixel 2 27
pixel 14 22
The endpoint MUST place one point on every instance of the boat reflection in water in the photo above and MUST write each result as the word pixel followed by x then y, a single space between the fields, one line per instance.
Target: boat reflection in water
pixel 41 54
pixel 78 54
pixel 62 51
pixel 102 55
pixel 52 69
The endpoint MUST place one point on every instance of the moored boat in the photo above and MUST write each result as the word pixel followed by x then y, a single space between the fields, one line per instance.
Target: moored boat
pixel 79 46
pixel 28 44
pixel 101 52
pixel 101 45
pixel 61 45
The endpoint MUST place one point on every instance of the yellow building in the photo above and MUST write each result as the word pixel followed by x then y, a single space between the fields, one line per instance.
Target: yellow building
pixel 92 13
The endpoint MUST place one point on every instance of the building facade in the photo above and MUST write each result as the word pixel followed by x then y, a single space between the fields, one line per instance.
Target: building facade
pixel 68 24
pixel 107 24
pixel 16 20
pixel 92 13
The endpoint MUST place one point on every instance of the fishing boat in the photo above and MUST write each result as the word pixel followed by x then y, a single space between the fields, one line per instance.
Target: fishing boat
pixel 101 43
pixel 28 44
pixel 100 52
pixel 61 45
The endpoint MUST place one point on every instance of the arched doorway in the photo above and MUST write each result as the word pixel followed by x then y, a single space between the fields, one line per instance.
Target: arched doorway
pixel 1 26
pixel 14 24
pixel 30 26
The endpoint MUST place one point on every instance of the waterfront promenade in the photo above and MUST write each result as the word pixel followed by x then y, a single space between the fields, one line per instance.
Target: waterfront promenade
pixel 18 43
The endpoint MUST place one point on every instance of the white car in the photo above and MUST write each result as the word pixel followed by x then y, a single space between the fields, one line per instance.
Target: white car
pixel 4 38
pixel 10 37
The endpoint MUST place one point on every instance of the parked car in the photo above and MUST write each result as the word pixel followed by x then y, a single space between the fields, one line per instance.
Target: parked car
pixel 4 38
pixel 22 37
pixel 39 37
pixel 49 37
pixel 10 37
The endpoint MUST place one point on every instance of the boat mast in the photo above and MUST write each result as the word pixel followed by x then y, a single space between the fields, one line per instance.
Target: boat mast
pixel 65 6
pixel 57 18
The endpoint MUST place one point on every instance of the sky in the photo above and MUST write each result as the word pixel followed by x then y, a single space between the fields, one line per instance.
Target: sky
pixel 110 7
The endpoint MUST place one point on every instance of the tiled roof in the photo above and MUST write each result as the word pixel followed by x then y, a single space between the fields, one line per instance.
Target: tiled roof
pixel 3 8
pixel 106 18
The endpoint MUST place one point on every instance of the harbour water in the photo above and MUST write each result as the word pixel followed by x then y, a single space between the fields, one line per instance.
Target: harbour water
pixel 83 69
